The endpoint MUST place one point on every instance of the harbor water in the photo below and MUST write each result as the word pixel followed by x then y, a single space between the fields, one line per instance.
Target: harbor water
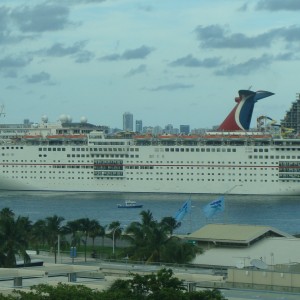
pixel 281 212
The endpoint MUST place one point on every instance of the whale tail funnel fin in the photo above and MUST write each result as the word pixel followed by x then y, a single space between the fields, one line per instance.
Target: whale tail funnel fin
pixel 240 116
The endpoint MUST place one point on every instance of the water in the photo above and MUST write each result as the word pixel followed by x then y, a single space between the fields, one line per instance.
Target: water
pixel 281 212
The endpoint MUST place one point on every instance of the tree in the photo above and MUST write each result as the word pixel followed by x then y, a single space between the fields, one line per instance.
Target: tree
pixel 39 233
pixel 14 238
pixel 162 285
pixel 96 230
pixel 152 241
pixel 73 228
pixel 54 229
pixel 170 223
pixel 86 226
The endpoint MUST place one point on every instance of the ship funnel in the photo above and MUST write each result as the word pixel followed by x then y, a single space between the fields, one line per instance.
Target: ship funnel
pixel 240 117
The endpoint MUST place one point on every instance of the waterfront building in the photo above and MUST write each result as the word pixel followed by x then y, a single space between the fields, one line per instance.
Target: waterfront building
pixel 128 121
pixel 185 129
pixel 139 126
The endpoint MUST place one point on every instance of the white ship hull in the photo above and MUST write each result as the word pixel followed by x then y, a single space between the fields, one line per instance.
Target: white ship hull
pixel 236 169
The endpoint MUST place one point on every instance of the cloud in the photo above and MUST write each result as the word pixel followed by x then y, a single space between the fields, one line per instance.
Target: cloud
pixel 40 18
pixel 171 87
pixel 215 36
pixel 7 35
pixel 9 62
pixel 140 69
pixel 76 50
pixel 59 50
pixel 191 61
pixel 39 77
pixel 275 5
pixel 84 56
pixel 245 68
pixel 286 56
pixel 138 53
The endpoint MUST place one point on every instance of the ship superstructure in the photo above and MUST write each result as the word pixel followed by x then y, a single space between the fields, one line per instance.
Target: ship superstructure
pixel 84 158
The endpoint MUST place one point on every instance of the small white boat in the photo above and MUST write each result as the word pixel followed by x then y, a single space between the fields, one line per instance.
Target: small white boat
pixel 130 204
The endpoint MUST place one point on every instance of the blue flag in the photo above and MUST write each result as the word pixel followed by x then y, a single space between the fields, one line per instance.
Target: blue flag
pixel 213 207
pixel 185 208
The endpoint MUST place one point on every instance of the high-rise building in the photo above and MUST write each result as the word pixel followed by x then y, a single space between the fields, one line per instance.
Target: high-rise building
pixel 185 129
pixel 139 126
pixel 128 121
pixel 292 117
pixel 169 129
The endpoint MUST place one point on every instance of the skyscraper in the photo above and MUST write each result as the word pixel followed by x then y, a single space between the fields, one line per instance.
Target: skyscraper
pixel 139 126
pixel 128 121
pixel 185 129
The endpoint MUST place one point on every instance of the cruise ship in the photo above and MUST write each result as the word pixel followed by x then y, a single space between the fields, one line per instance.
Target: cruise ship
pixel 233 159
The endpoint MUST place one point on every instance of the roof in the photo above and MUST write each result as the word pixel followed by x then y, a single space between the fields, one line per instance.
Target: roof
pixel 234 233
pixel 272 251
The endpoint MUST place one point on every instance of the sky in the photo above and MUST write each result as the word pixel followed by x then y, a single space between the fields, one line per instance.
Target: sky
pixel 165 61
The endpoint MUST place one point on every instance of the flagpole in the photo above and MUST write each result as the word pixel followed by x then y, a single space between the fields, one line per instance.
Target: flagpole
pixel 226 209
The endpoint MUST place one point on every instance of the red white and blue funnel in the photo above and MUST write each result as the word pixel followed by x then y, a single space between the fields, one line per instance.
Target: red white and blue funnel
pixel 240 117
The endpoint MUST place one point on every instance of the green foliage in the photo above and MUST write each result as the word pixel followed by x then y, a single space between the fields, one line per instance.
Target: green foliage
pixel 152 241
pixel 59 292
pixel 162 285
pixel 14 237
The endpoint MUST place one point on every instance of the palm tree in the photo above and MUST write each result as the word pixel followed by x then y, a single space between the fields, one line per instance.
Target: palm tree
pixel 86 226
pixel 96 230
pixel 152 241
pixel 73 228
pixel 39 233
pixel 14 237
pixel 54 230
pixel 170 223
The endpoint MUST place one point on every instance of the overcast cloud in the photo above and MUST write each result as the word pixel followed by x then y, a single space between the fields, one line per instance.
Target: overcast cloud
pixel 100 58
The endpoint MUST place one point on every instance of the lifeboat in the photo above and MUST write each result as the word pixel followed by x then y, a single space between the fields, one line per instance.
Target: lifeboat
pixel 167 136
pixel 76 136
pixel 62 136
pixel 143 137
pixel 55 137
pixel 190 137
pixel 32 137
